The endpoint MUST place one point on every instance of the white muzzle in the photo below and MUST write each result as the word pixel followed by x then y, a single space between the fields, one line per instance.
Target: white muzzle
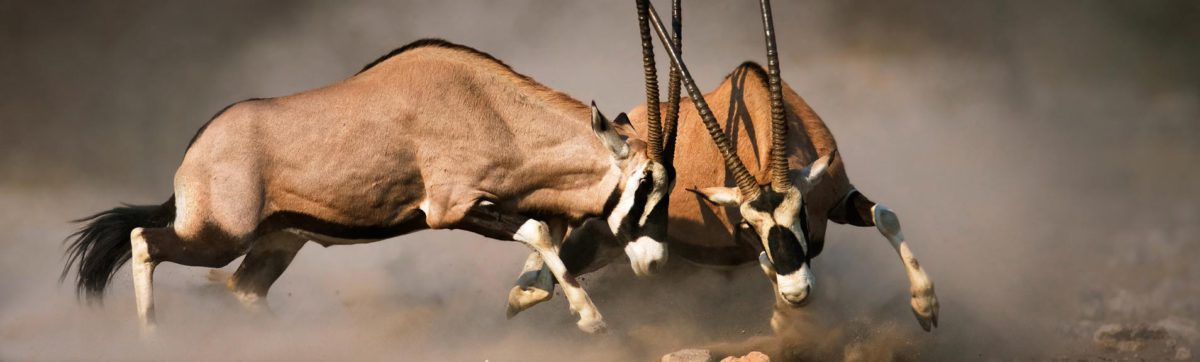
pixel 795 287
pixel 646 256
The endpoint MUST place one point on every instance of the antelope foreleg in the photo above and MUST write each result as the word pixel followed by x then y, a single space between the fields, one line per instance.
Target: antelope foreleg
pixel 924 300
pixel 536 234
pixel 534 285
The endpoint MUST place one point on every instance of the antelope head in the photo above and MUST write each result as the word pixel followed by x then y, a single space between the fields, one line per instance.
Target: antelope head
pixel 638 217
pixel 776 212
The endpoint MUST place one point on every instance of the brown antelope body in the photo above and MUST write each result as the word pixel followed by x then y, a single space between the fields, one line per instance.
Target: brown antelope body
pixel 434 135
pixel 773 209
pixel 715 233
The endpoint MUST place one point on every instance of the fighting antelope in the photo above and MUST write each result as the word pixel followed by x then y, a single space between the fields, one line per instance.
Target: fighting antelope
pixel 434 135
pixel 776 211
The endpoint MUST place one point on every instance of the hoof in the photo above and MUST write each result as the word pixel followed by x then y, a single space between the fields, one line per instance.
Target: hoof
pixel 925 308
pixel 592 326
pixel 520 299
pixel 149 331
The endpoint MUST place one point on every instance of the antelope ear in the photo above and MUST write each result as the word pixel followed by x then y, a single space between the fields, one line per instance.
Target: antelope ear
pixel 624 126
pixel 720 196
pixel 608 135
pixel 622 120
pixel 812 174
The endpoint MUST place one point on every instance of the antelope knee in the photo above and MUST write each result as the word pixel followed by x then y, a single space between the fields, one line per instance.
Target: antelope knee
pixel 534 233
pixel 886 221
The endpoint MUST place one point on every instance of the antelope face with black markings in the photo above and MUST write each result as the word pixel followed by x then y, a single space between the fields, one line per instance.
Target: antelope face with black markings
pixel 639 216
pixel 780 219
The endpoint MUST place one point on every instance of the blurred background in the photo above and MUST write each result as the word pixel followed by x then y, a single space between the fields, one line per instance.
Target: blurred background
pixel 1044 158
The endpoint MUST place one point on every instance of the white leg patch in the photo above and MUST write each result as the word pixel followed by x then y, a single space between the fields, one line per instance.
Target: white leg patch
pixel 924 299
pixel 143 279
pixel 536 234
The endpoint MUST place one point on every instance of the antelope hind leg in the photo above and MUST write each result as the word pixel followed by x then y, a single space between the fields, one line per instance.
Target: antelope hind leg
pixel 263 265
pixel 143 279
pixel 150 246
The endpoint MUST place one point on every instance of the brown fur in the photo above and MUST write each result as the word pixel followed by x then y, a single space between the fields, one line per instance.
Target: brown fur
pixel 433 122
pixel 433 135
pixel 711 235
pixel 707 234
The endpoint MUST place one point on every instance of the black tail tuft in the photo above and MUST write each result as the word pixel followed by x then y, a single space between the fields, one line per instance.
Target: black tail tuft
pixel 101 247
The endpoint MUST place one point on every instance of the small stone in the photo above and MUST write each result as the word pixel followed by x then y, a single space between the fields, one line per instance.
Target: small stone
pixel 749 357
pixel 688 355
pixel 1128 338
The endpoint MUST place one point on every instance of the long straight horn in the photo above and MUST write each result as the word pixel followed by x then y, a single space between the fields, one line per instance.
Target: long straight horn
pixel 672 119
pixel 746 183
pixel 653 121
pixel 779 165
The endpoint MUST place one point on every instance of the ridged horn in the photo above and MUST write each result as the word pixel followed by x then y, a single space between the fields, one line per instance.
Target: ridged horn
pixel 779 165
pixel 746 183
pixel 671 121
pixel 653 120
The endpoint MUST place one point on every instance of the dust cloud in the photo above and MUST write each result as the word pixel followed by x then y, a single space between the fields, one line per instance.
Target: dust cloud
pixel 1042 157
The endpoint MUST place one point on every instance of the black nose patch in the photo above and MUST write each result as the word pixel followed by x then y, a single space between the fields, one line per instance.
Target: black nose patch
pixel 786 253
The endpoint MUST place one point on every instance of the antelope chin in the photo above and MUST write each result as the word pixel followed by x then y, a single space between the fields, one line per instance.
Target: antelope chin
pixel 646 256
pixel 795 288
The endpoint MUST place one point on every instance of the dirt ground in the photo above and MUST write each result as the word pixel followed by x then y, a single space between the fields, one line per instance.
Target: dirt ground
pixel 1042 158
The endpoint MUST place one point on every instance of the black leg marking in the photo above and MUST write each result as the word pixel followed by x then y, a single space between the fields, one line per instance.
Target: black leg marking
pixel 855 209
pixel 212 249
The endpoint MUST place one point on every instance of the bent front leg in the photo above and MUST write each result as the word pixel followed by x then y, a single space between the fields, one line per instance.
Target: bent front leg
pixel 924 300
pixel 857 210
pixel 588 247
pixel 536 235
pixel 534 285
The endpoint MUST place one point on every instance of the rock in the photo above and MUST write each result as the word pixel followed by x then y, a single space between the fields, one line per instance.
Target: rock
pixel 749 357
pixel 1128 338
pixel 704 355
pixel 1183 354
pixel 688 355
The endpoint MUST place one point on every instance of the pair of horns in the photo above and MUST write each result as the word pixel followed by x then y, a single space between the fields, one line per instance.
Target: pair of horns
pixel 662 149
pixel 779 166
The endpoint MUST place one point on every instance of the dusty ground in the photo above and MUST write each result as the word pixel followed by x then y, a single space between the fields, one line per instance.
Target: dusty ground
pixel 1042 158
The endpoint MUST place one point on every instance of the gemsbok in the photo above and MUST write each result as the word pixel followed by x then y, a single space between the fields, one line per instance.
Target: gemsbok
pixel 433 135
pixel 773 212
